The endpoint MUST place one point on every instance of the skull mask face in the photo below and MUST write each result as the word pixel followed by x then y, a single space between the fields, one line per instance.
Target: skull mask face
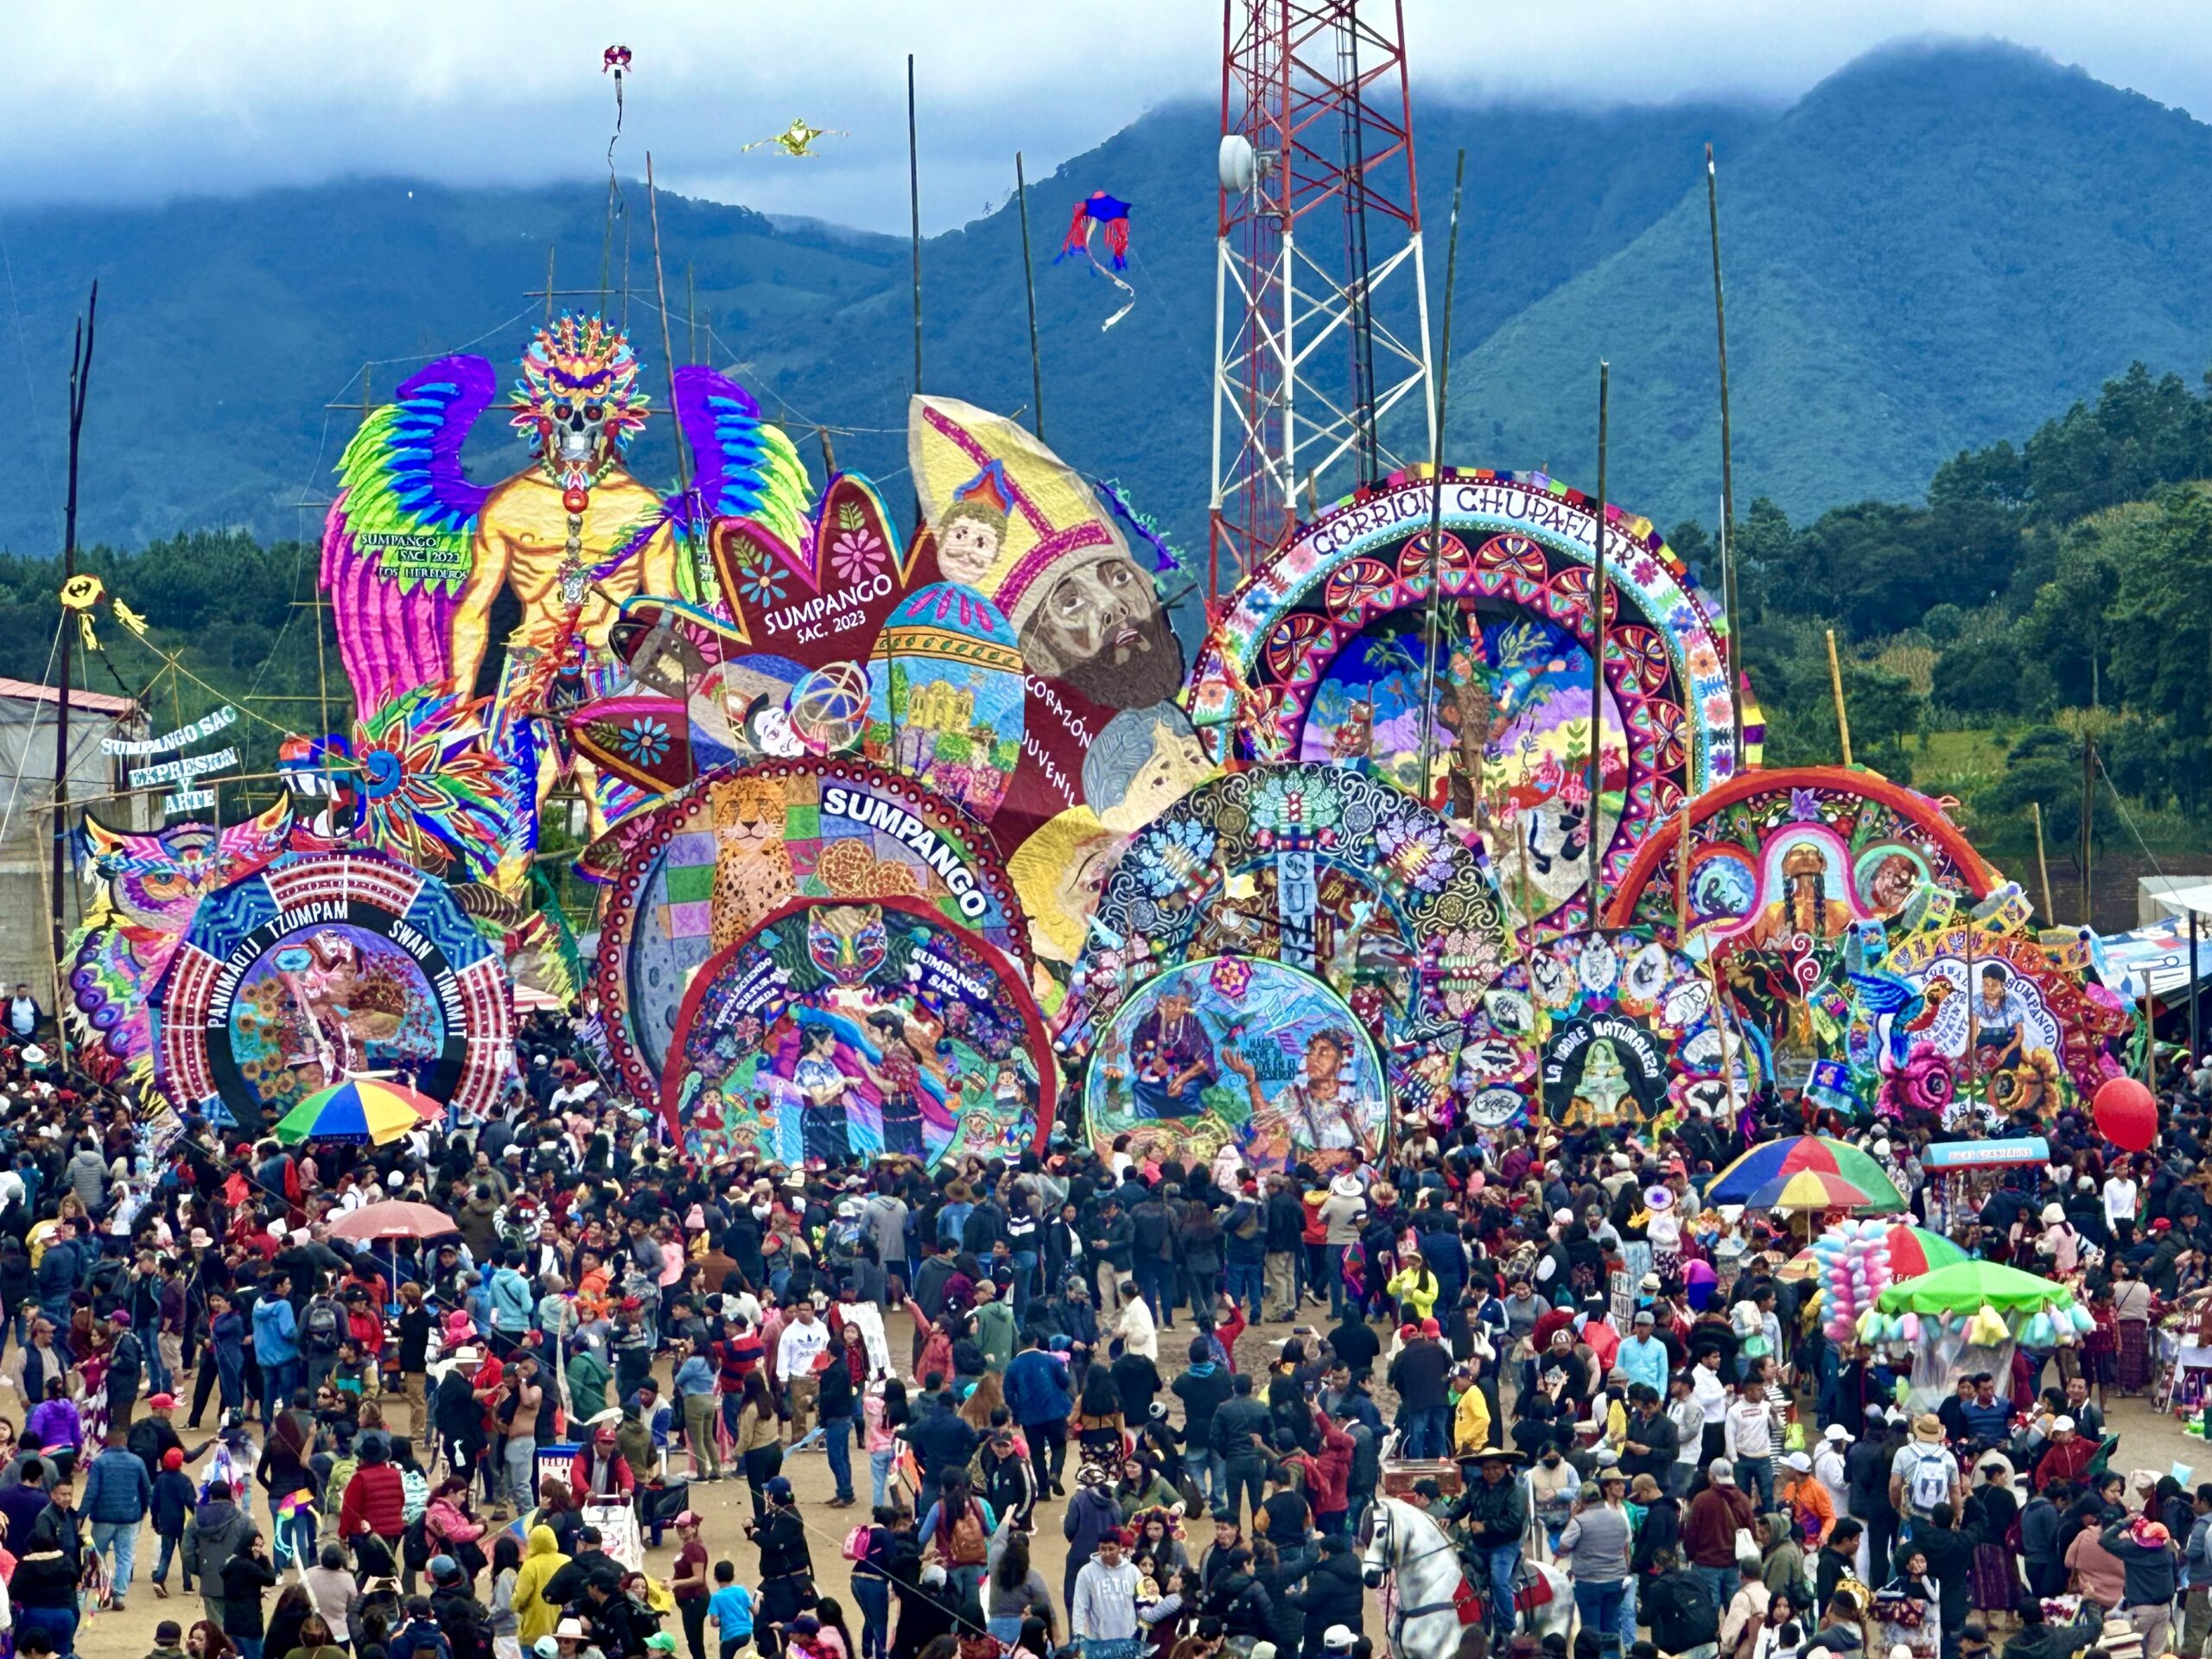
pixel 578 399
pixel 580 418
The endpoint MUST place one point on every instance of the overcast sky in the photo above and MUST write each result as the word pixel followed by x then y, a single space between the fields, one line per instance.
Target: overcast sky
pixel 126 100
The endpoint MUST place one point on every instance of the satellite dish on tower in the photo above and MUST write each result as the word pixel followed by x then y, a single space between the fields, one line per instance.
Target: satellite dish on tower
pixel 1238 168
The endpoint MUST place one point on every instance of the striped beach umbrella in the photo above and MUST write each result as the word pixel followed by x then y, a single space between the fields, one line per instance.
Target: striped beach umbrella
pixel 1811 1188
pixel 361 1110
pixel 1773 1159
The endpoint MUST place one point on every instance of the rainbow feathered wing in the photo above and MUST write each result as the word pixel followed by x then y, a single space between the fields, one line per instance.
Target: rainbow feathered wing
pixel 397 546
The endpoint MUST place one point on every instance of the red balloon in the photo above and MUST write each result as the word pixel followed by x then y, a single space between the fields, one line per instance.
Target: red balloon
pixel 2126 1114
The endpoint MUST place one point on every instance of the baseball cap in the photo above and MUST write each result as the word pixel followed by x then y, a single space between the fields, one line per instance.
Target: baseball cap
pixel 1721 1472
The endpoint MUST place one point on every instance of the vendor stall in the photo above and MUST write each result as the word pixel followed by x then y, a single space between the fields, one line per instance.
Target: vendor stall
pixel 1968 1318
pixel 1963 1174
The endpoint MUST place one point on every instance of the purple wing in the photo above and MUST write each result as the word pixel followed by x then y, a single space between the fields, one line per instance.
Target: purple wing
pixel 746 468
pixel 397 547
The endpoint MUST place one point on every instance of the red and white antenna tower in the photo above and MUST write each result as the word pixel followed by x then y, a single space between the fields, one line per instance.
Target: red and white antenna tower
pixel 1318 213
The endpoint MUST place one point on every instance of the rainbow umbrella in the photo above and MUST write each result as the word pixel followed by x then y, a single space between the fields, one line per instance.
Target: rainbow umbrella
pixel 1913 1251
pixel 360 1108
pixel 1811 1188
pixel 1774 1159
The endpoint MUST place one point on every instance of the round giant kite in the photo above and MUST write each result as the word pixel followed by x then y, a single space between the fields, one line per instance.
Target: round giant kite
pixel 1232 1051
pixel 1326 870
pixel 1323 655
pixel 1785 867
pixel 326 966
pixel 836 1028
pixel 694 875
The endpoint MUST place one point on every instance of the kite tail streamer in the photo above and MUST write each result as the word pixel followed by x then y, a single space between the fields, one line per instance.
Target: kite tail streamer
pixel 1095 212
pixel 1117 238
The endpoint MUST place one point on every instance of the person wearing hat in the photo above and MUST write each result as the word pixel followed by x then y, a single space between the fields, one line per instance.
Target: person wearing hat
pixel 786 1566
pixel 1495 1512
pixel 1811 1506
pixel 1643 1355
pixel 1709 1529
pixel 1340 1216
pixel 1924 1473
pixel 1333 1594
pixel 1593 1548
pixel 2146 1554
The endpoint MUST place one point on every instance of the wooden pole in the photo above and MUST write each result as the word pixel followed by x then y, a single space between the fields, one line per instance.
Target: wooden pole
pixel 1436 499
pixel 914 221
pixel 1597 882
pixel 2195 1027
pixel 667 342
pixel 1681 877
pixel 2089 817
pixel 80 380
pixel 914 216
pixel 2043 865
pixel 690 313
pixel 1029 285
pixel 1835 689
pixel 1727 460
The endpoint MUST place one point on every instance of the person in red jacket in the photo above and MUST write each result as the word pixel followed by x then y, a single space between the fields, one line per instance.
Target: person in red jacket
pixel 1328 1475
pixel 376 1499
pixel 599 1470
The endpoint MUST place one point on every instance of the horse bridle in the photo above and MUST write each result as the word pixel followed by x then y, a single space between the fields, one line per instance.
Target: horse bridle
pixel 1381 1522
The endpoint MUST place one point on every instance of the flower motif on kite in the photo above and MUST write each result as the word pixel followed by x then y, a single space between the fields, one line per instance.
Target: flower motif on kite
pixel 429 789
pixel 856 554
pixel 760 581
pixel 644 740
pixel 1922 1083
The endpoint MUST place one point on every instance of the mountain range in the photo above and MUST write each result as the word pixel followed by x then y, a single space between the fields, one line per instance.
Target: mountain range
pixel 1938 246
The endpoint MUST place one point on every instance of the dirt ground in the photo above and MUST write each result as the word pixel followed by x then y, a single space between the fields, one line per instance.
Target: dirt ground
pixel 2149 1442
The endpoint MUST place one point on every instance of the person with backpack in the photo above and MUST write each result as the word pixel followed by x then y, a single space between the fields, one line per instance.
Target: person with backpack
pixel 322 1327
pixel 464 1622
pixel 1923 1474
pixel 1678 1605
pixel 960 1525
pixel 1244 1250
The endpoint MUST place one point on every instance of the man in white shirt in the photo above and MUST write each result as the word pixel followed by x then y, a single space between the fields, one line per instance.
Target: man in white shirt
pixel 1712 1396
pixel 805 1341
pixel 1138 1334
pixel 1689 1419
pixel 1749 1439
pixel 2120 1194
pixel 1828 1467
pixel 1105 1607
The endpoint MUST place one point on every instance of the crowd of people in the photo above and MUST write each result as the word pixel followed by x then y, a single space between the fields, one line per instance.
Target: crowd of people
pixel 346 1448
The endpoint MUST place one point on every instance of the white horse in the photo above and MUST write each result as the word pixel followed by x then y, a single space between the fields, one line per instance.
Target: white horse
pixel 1408 1547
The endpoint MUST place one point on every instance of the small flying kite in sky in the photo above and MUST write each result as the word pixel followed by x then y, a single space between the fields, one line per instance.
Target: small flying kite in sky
pixel 797 139
pixel 1095 213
